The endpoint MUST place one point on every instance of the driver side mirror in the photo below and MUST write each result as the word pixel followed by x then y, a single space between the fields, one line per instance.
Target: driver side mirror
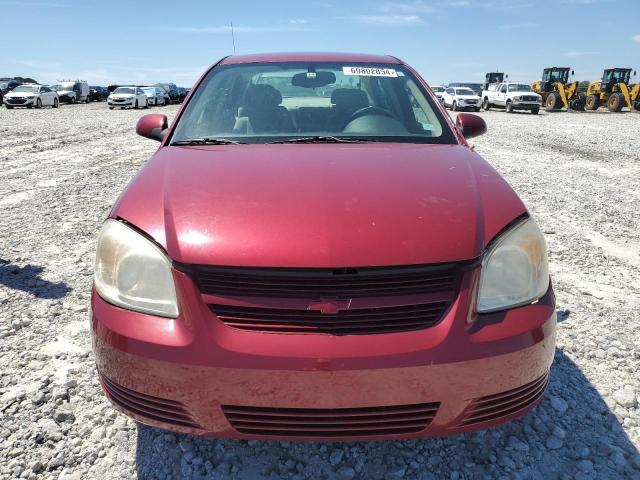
pixel 470 125
pixel 153 126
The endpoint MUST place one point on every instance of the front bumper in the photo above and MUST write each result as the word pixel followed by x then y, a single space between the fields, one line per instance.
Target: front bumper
pixel 28 102
pixel 521 105
pixel 191 374
pixel 469 104
pixel 120 104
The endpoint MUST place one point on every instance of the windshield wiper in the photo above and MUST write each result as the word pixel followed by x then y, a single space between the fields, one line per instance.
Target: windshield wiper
pixel 323 139
pixel 205 141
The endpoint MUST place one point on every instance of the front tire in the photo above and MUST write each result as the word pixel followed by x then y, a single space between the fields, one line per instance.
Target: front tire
pixel 553 102
pixel 454 106
pixel 136 105
pixel 535 111
pixel 55 103
pixel 616 102
pixel 592 103
pixel 38 103
pixel 486 105
pixel 509 107
pixel 8 107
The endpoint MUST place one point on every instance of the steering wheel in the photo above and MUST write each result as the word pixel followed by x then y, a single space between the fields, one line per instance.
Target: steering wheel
pixel 370 110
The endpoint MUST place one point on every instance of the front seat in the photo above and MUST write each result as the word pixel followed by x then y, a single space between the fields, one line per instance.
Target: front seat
pixel 261 112
pixel 345 102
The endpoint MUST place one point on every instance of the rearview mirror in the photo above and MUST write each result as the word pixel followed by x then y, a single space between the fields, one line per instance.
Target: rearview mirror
pixel 153 126
pixel 470 125
pixel 313 79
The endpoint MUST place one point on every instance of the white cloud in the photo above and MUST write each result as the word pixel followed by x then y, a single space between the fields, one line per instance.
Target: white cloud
pixel 28 3
pixel 416 6
pixel 239 28
pixel 39 63
pixel 505 5
pixel 298 21
pixel 389 20
pixel 517 26
pixel 636 38
pixel 573 53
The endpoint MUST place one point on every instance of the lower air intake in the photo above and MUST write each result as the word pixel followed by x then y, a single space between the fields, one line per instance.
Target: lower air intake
pixel 154 408
pixel 492 407
pixel 338 422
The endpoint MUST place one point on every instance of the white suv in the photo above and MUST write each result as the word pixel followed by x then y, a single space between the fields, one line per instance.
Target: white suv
pixel 31 95
pixel 461 98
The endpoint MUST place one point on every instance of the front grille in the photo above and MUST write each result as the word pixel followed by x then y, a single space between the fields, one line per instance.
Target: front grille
pixel 323 283
pixel 154 408
pixel 16 101
pixel 337 422
pixel 529 99
pixel 492 407
pixel 360 321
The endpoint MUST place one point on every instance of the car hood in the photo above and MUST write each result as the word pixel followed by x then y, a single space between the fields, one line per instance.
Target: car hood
pixel 122 95
pixel 319 205
pixel 524 92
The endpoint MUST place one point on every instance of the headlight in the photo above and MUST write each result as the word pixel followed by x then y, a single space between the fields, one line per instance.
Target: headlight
pixel 132 272
pixel 514 270
pixel 517 98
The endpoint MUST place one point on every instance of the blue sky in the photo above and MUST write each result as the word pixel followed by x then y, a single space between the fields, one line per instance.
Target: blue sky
pixel 119 41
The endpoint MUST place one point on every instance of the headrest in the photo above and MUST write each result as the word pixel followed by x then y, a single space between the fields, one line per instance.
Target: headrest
pixel 257 96
pixel 349 97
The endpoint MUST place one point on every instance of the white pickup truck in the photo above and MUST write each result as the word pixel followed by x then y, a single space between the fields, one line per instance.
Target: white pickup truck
pixel 511 97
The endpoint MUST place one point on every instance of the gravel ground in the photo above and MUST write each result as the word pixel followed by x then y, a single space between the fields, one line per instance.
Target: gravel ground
pixel 62 170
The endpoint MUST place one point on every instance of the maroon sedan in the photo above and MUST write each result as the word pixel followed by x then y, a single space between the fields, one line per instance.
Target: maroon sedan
pixel 315 252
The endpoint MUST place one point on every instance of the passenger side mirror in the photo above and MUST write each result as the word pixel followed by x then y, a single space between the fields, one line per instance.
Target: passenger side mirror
pixel 470 125
pixel 153 126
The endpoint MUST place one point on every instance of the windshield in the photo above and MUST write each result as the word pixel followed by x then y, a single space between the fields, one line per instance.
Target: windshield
pixel 149 90
pixel 616 76
pixel 266 102
pixel 559 75
pixel 125 90
pixel 464 91
pixel 27 88
pixel 437 89
pixel 519 87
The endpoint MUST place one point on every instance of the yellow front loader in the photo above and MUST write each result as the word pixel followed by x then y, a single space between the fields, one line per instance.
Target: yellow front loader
pixel 614 91
pixel 556 90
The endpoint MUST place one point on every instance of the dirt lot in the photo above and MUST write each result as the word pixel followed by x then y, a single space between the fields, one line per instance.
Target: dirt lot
pixel 62 169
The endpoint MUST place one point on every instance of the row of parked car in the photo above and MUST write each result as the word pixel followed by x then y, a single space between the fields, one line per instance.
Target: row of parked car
pixel 511 96
pixel 33 95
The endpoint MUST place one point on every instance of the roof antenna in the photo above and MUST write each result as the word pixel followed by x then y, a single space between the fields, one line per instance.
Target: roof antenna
pixel 233 39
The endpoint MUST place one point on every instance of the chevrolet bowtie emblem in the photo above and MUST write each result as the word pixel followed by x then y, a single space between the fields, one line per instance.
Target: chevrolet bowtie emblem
pixel 330 305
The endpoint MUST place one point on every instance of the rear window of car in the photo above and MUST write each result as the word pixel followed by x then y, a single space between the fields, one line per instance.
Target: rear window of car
pixel 265 102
